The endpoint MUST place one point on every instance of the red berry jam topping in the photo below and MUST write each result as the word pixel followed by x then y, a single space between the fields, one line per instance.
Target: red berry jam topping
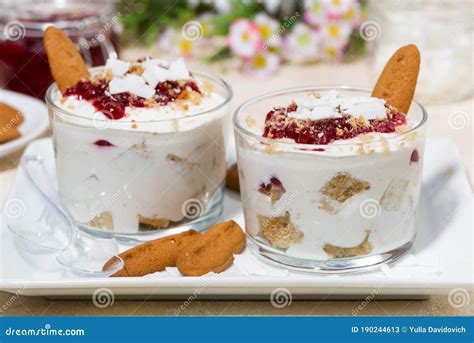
pixel 113 106
pixel 279 125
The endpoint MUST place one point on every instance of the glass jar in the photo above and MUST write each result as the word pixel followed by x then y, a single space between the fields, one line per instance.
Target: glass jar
pixel 328 208
pixel 23 62
pixel 442 30
pixel 136 177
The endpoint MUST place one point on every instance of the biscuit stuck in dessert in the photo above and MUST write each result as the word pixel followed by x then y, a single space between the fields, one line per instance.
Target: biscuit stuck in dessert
pixel 339 252
pixel 213 251
pixel 344 186
pixel 66 64
pixel 397 82
pixel 279 231
pixel 153 256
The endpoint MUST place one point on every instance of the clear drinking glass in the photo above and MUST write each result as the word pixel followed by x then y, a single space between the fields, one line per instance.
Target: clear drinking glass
pixel 131 177
pixel 328 208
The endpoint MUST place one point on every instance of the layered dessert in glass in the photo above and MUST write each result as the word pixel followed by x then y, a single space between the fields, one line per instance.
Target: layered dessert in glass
pixel 141 146
pixel 329 177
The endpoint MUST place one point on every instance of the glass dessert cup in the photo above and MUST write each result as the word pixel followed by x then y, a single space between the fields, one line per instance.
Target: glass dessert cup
pixel 132 178
pixel 345 206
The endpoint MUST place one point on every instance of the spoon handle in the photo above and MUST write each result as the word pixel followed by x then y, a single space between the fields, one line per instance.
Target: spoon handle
pixel 39 178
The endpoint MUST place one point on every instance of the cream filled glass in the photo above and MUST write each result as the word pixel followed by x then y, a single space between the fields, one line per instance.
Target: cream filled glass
pixel 141 146
pixel 329 176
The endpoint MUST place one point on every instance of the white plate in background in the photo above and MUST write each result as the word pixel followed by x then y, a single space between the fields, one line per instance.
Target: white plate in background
pixel 36 120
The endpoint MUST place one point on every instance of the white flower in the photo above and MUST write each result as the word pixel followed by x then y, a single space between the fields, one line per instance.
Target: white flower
pixel 263 64
pixel 330 52
pixel 352 15
pixel 302 44
pixel 336 32
pixel 268 29
pixel 271 5
pixel 315 14
pixel 244 38
pixel 223 6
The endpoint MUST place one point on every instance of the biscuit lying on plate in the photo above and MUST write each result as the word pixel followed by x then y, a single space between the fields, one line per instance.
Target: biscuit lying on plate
pixel 153 256
pixel 213 251
pixel 10 119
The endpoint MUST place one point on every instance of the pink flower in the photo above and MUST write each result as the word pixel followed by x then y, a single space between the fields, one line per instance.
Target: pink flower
pixel 244 38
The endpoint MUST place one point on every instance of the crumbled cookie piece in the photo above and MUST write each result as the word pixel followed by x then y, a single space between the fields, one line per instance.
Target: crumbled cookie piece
pixel 391 199
pixel 136 69
pixel 152 223
pixel 273 189
pixel 327 207
pixel 103 220
pixel 344 186
pixel 279 231
pixel 339 252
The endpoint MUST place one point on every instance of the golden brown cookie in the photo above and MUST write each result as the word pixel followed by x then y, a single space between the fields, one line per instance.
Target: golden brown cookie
pixel 153 256
pixel 66 64
pixel 213 251
pixel 397 83
pixel 8 132
pixel 11 115
pixel 232 179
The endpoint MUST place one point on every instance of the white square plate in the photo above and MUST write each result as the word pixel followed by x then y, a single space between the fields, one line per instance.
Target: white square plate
pixel 440 260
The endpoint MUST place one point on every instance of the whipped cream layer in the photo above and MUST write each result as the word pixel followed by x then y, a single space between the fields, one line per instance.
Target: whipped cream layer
pixel 330 105
pixel 149 109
